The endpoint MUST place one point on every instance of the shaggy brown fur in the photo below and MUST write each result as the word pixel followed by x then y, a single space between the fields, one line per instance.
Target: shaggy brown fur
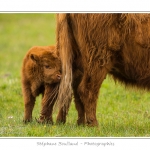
pixel 97 45
pixel 41 73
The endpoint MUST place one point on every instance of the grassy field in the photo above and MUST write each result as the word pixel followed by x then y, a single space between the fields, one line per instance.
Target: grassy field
pixel 120 112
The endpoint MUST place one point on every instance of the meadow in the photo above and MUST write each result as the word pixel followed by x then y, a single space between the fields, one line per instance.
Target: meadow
pixel 121 112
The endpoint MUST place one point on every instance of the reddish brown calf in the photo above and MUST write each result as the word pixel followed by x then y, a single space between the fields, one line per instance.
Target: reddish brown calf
pixel 41 74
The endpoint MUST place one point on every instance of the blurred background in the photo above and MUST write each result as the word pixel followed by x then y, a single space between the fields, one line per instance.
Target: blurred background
pixel 18 33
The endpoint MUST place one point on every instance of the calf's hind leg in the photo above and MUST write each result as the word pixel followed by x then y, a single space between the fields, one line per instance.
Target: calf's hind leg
pixel 29 101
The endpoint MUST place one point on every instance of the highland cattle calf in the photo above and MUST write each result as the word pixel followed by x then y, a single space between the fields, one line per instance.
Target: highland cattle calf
pixel 97 45
pixel 41 74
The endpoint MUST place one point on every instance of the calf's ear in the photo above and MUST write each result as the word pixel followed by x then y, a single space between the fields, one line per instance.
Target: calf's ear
pixel 34 57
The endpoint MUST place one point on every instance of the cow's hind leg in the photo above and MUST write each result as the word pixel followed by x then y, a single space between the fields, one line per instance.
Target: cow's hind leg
pixel 78 103
pixel 62 114
pixel 61 117
pixel 89 90
pixel 80 108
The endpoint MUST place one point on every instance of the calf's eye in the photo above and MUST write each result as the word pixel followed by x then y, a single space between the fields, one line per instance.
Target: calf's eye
pixel 47 67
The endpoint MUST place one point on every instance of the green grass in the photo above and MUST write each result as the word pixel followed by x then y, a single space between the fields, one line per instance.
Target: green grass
pixel 120 112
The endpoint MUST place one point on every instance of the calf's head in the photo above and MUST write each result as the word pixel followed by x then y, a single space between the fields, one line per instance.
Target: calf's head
pixel 47 65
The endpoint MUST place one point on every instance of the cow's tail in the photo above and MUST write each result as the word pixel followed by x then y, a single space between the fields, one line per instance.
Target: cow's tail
pixel 66 55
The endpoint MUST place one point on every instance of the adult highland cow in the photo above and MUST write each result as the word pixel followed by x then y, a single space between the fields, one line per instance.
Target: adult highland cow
pixel 94 45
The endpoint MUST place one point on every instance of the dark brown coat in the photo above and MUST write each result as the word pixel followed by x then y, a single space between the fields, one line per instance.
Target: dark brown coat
pixel 97 45
pixel 41 74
